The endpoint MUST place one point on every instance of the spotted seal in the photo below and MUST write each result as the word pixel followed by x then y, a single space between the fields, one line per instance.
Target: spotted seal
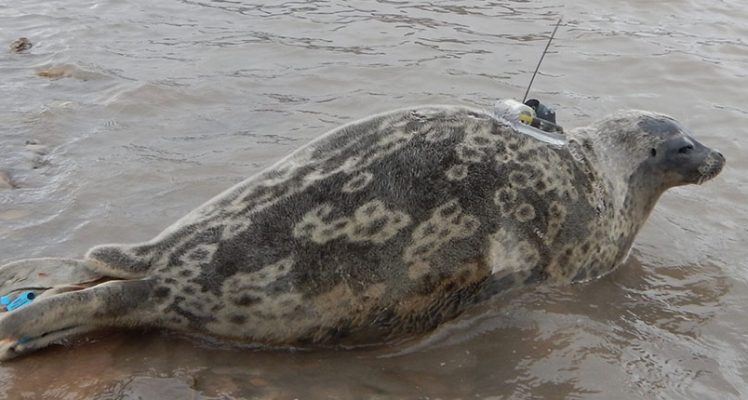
pixel 381 228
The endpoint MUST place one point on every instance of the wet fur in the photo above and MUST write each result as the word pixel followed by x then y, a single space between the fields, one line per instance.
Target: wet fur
pixel 370 232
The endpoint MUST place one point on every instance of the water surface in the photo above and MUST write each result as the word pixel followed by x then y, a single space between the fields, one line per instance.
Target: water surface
pixel 157 106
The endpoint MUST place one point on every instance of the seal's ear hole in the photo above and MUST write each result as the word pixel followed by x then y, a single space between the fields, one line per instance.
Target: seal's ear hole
pixel 653 152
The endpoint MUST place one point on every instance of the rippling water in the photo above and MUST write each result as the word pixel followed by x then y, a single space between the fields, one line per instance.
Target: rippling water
pixel 153 107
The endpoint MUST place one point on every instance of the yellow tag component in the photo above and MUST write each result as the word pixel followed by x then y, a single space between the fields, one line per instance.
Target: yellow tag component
pixel 525 117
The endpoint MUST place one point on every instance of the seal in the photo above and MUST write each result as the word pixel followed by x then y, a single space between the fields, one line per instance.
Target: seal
pixel 379 229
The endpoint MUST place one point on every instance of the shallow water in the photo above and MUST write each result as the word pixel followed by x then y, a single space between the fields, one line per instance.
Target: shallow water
pixel 150 108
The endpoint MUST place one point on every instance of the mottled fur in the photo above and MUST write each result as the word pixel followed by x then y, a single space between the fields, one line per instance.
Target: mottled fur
pixel 389 226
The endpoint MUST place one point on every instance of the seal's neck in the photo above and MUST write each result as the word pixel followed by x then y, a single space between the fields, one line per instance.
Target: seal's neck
pixel 623 168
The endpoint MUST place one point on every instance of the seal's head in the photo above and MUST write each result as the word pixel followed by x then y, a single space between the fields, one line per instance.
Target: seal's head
pixel 661 152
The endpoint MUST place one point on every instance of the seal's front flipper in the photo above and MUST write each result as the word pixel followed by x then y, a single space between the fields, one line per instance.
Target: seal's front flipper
pixel 50 319
pixel 43 277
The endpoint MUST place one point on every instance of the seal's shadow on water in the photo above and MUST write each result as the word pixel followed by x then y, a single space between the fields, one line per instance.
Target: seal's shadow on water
pixel 538 341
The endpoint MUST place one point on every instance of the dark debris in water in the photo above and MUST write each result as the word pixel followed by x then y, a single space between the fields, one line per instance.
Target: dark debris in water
pixel 20 45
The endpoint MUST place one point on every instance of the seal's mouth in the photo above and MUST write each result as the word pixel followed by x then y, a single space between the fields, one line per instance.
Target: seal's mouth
pixel 711 167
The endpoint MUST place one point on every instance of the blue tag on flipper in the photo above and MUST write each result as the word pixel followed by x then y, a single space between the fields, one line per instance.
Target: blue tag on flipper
pixel 20 300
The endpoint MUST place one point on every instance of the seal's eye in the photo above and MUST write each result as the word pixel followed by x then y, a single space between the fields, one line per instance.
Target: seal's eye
pixel 685 149
pixel 653 152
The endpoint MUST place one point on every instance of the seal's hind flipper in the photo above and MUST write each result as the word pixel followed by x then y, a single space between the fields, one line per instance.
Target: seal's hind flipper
pixel 121 261
pixel 39 275
pixel 50 319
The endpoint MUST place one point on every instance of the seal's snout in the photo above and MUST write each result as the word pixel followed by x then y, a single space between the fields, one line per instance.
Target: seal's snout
pixel 686 161
pixel 696 163
pixel 711 166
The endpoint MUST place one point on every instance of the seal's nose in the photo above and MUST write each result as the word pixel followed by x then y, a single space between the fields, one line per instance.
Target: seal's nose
pixel 719 158
pixel 715 162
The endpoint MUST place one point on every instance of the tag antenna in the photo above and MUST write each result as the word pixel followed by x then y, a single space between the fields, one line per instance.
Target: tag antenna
pixel 541 60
